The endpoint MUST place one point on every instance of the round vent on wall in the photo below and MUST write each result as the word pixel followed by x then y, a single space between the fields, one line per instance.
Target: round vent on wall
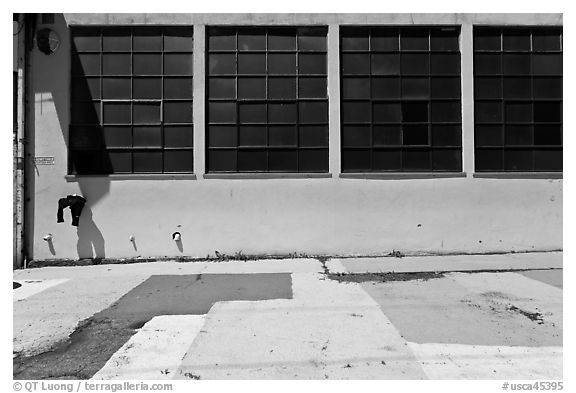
pixel 47 41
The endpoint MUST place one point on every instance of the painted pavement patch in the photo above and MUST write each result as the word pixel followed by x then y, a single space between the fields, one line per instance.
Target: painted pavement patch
pixel 96 339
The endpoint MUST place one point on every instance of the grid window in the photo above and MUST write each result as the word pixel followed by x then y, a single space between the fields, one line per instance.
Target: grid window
pixel 518 99
pixel 131 105
pixel 401 105
pixel 267 103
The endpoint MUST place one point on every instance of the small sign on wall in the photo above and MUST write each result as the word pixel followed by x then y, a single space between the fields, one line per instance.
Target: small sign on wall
pixel 44 160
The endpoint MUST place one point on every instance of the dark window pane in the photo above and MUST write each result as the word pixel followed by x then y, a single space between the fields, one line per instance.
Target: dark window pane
pixel 311 42
pixel 355 64
pixel 147 40
pixel 546 40
pixel 548 159
pixel 116 40
pixel 178 112
pixel 356 136
pixel 313 160
pixel 385 87
pixel 547 64
pixel 487 40
pixel 178 136
pixel 312 136
pixel 547 111
pixel 86 138
pixel 415 135
pixel 282 113
pixel 487 64
pixel 86 64
pixel 356 88
pixel 415 88
pixel 415 160
pixel 445 64
pixel 178 40
pixel 518 112
pixel 312 88
pixel 118 136
pixel 251 63
pixel 252 160
pixel 221 64
pixel 222 88
pixel 387 135
pixel 252 113
pixel 89 161
pixel 86 113
pixel 489 160
pixel 446 111
pixel 116 113
pixel 547 134
pixel 282 136
pixel 355 40
pixel 115 64
pixel 147 64
pixel 221 39
pixel 415 111
pixel 86 40
pixel 387 160
pixel 147 88
pixel 488 87
pixel 356 160
pixel 446 135
pixel 146 113
pixel 445 87
pixel 547 87
pixel 313 112
pixel 415 64
pixel 252 88
pixel 116 88
pixel 222 161
pixel 177 64
pixel 444 40
pixel 488 136
pixel 517 88
pixel 385 64
pixel 249 39
pixel 518 160
pixel 447 160
pixel 414 40
pixel 178 161
pixel 488 112
pixel 283 160
pixel 385 40
pixel 311 63
pixel 222 136
pixel 177 88
pixel 222 112
pixel 518 135
pixel 85 88
pixel 252 136
pixel 147 162
pixel 120 161
pixel 514 40
pixel 280 63
pixel 388 112
pixel 282 39
pixel 282 88
pixel 356 112
pixel 516 64
pixel 147 137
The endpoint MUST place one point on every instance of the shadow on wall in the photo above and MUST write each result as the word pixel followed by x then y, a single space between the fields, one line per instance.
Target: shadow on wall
pixel 91 243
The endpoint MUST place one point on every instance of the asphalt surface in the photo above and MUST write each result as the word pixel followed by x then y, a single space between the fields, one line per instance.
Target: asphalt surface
pixel 291 319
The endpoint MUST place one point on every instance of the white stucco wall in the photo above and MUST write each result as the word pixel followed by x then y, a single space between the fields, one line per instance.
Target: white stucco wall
pixel 333 215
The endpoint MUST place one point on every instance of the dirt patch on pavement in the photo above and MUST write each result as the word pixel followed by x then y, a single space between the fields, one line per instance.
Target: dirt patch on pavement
pixel 383 277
